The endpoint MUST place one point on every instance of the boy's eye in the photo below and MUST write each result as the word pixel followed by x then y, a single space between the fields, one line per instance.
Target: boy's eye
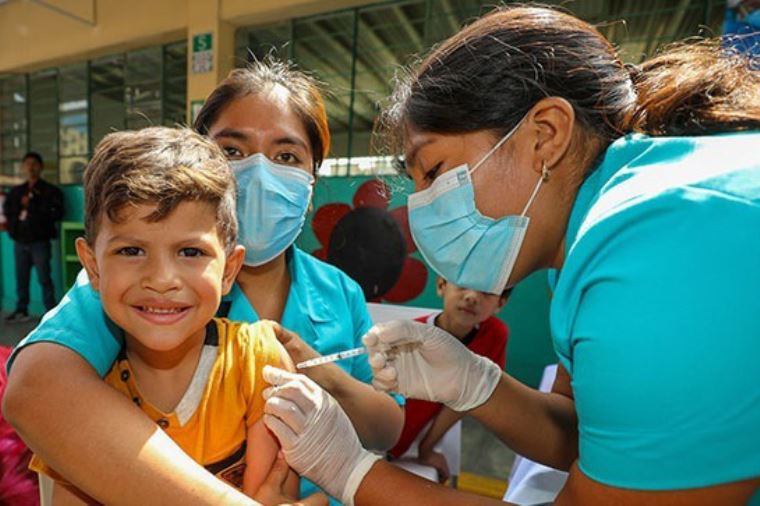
pixel 232 153
pixel 130 251
pixel 190 252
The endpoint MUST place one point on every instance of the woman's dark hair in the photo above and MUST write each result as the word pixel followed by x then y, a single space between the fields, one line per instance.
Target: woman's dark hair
pixel 304 96
pixel 696 87
pixel 487 77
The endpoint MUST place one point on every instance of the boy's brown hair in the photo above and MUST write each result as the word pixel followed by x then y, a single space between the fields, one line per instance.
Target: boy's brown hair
pixel 158 166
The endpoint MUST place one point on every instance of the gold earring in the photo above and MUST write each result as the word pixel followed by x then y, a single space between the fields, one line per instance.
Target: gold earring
pixel 544 172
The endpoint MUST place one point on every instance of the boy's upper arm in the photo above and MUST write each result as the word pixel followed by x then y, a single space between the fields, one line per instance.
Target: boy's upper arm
pixel 262 349
pixel 260 455
pixel 80 324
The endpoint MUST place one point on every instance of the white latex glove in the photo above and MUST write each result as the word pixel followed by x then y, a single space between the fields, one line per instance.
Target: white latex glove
pixel 425 362
pixel 316 436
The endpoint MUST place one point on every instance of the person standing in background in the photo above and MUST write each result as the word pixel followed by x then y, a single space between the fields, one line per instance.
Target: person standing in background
pixel 32 210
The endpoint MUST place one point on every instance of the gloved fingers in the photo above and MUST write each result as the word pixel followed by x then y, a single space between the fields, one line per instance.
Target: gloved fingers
pixel 276 377
pixel 377 360
pixel 287 411
pixel 385 379
pixel 386 374
pixel 386 335
pixel 296 392
pixel 284 434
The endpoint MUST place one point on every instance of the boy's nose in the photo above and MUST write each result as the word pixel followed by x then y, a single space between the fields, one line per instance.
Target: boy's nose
pixel 471 297
pixel 160 276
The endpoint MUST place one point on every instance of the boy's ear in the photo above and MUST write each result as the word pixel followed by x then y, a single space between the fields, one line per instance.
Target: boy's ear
pixel 232 266
pixel 87 257
pixel 502 302
pixel 440 284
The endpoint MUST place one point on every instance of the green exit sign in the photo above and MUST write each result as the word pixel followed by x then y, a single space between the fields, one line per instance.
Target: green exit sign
pixel 202 42
pixel 203 56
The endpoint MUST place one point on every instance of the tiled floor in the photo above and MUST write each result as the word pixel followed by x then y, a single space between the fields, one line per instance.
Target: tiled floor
pixel 483 453
pixel 12 333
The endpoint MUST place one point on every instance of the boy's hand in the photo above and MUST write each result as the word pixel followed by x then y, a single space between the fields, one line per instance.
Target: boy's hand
pixel 437 461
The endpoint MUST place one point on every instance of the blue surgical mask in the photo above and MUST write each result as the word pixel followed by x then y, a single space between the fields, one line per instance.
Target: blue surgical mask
pixel 272 200
pixel 460 244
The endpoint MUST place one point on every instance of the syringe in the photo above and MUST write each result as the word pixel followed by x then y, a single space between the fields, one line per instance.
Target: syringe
pixel 392 352
pixel 331 358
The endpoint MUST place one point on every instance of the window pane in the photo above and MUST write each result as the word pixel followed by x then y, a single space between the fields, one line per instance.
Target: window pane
pixel 143 88
pixel 43 120
pixel 388 37
pixel 72 122
pixel 259 42
pixel 106 96
pixel 175 84
pixel 323 45
pixel 13 126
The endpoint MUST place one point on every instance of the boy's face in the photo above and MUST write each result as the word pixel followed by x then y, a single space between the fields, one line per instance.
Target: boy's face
pixel 465 307
pixel 161 282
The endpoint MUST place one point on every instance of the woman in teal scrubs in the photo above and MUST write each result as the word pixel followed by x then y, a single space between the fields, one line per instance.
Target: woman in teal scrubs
pixel 531 147
pixel 271 122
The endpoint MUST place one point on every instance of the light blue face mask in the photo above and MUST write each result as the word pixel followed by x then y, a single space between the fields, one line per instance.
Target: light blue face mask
pixel 460 244
pixel 272 200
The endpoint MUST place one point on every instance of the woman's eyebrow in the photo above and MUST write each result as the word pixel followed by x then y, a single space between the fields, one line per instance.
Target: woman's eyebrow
pixel 231 133
pixel 293 141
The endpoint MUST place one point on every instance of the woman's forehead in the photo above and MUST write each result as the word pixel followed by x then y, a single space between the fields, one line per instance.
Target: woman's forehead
pixel 258 116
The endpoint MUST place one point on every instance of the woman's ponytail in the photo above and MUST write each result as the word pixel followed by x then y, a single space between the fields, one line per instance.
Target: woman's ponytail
pixel 696 88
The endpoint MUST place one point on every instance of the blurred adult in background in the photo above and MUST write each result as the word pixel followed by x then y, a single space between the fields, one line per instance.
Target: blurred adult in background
pixel 32 210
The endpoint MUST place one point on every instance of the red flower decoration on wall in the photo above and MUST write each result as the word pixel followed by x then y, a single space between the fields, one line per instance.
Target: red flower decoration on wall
pixel 371 244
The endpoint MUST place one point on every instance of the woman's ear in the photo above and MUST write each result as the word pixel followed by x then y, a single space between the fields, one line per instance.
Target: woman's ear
pixel 90 264
pixel 554 122
pixel 232 265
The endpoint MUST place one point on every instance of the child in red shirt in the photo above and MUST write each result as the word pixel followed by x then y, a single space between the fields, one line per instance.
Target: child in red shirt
pixel 469 316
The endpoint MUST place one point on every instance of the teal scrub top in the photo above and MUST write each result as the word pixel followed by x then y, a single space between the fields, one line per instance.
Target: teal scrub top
pixel 656 312
pixel 325 307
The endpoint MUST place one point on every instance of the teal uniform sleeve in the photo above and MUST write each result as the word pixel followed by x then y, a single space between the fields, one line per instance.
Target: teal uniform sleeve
pixel 362 322
pixel 656 317
pixel 360 368
pixel 79 323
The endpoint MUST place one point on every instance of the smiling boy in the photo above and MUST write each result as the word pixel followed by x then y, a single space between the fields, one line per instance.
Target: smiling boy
pixel 160 249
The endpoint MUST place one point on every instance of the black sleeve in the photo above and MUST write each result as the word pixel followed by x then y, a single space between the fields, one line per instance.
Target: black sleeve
pixel 10 208
pixel 56 203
